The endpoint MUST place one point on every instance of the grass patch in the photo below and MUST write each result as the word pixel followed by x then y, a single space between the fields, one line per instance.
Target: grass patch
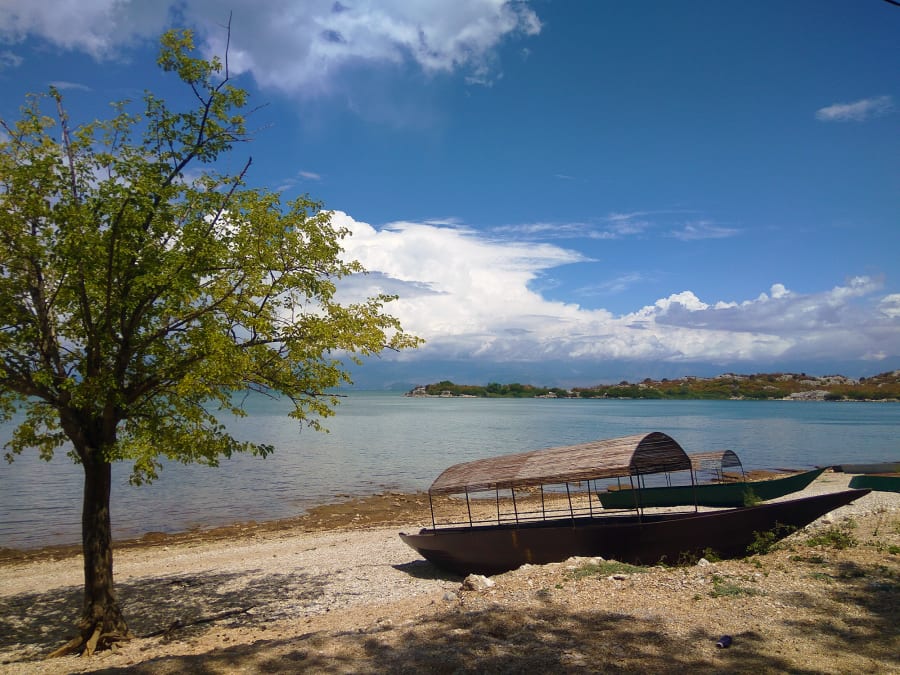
pixel 711 555
pixel 604 569
pixel 837 537
pixel 723 588
pixel 765 542
pixel 750 498
pixel 689 558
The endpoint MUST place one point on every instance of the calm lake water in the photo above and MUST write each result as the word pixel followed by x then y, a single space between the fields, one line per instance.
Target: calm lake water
pixel 385 441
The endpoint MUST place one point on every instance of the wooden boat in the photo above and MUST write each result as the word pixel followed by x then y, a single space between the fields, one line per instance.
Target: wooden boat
pixel 721 493
pixel 879 467
pixel 880 482
pixel 531 527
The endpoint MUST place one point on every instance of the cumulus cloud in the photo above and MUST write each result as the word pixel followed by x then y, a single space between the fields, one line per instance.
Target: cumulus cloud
pixel 890 306
pixel 857 111
pixel 473 296
pixel 307 45
pixel 296 47
pixel 458 289
pixel 98 27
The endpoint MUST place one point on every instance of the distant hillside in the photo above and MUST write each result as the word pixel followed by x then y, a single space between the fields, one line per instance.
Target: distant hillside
pixel 764 386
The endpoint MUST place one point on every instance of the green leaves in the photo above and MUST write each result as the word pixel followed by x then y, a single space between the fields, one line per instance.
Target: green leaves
pixel 140 289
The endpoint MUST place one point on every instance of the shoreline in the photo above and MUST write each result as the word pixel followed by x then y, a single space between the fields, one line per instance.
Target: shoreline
pixel 387 508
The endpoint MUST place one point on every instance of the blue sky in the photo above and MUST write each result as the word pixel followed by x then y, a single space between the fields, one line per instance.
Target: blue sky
pixel 561 192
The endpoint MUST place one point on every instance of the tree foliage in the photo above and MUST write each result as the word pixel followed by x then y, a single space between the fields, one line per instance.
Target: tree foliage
pixel 143 289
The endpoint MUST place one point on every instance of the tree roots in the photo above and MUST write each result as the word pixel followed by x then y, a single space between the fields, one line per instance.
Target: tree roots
pixel 87 645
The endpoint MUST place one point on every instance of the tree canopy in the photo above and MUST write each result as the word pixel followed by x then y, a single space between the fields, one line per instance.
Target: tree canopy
pixel 143 288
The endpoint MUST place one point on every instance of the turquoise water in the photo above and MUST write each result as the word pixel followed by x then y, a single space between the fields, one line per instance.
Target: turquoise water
pixel 380 441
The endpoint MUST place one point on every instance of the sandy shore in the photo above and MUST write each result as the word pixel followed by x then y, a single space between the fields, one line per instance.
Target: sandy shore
pixel 337 591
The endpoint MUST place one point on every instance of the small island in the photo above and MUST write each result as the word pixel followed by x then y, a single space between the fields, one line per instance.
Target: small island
pixel 729 386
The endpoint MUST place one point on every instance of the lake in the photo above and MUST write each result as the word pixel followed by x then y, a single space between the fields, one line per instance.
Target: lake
pixel 385 441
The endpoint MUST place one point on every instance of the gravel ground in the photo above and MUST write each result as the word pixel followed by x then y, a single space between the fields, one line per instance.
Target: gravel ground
pixel 338 592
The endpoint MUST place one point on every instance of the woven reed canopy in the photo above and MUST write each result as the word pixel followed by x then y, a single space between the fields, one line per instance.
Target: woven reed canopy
pixel 655 452
pixel 716 461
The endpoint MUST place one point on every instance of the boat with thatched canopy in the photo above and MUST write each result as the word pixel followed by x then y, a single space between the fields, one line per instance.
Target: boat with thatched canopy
pixel 727 485
pixel 548 510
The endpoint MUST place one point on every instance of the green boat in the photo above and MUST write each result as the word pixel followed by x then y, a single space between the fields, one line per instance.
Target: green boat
pixel 881 482
pixel 724 492
pixel 879 467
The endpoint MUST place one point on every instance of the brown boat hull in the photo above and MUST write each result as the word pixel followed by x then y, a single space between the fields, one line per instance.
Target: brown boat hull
pixel 669 538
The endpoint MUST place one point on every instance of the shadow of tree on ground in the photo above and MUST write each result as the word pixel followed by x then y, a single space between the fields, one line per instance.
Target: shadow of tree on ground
pixel 496 640
pixel 47 620
pixel 859 610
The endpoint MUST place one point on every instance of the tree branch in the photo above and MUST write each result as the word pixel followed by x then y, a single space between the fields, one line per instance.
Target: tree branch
pixel 67 142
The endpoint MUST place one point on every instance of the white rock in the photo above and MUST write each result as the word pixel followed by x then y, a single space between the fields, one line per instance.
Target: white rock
pixel 477 582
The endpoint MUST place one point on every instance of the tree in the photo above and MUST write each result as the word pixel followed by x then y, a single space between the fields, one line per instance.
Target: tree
pixel 141 290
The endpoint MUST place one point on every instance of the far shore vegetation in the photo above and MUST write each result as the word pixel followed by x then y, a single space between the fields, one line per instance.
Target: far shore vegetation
pixel 763 386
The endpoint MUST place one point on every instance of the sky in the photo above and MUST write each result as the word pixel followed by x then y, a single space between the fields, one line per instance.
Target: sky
pixel 560 192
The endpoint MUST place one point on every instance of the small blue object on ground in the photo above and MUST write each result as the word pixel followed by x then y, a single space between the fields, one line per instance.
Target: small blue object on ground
pixel 724 642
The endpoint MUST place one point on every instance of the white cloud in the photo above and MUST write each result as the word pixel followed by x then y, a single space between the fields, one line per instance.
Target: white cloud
pixel 9 59
pixel 685 299
pixel 62 85
pixel 306 45
pixel 298 47
pixel 547 230
pixel 703 230
pixel 890 305
pixel 457 287
pixel 612 286
pixel 471 296
pixel 614 226
pixel 779 291
pixel 857 111
pixel 98 27
pixel 624 225
pixel 637 223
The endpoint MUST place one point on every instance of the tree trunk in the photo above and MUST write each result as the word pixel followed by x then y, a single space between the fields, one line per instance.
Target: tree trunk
pixel 101 622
